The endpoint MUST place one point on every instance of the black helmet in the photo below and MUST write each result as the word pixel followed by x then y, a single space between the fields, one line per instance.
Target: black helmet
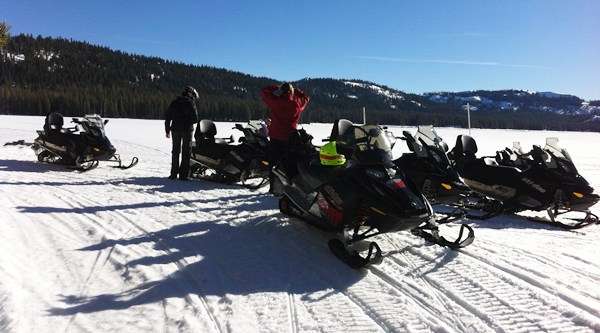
pixel 190 92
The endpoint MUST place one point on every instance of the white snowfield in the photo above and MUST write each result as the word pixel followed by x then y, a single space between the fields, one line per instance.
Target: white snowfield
pixel 130 251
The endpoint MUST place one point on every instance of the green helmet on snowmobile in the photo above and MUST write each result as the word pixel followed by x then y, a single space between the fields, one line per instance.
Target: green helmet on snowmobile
pixel 329 155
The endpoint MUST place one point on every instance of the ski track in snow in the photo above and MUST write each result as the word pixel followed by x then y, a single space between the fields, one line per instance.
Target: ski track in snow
pixel 111 250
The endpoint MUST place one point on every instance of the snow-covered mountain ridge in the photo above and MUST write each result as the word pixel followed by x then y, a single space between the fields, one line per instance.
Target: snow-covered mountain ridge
pixel 40 75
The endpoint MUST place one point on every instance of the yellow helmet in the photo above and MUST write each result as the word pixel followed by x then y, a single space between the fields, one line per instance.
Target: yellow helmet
pixel 329 156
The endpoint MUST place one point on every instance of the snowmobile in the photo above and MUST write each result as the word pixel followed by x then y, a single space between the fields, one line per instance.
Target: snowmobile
pixel 428 166
pixel 365 196
pixel 218 159
pixel 543 180
pixel 78 148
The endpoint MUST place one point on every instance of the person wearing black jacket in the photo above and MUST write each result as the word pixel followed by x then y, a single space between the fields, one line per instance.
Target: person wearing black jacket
pixel 179 123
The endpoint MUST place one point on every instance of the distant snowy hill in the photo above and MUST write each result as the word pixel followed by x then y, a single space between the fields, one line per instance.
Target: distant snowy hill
pixel 517 100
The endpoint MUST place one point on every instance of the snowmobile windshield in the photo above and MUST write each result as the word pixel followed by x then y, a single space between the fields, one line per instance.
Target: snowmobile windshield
pixel 553 147
pixel 94 125
pixel 373 145
pixel 429 136
pixel 371 137
pixel 558 156
pixel 259 127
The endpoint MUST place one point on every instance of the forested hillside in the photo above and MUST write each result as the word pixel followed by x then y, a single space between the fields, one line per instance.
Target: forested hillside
pixel 39 75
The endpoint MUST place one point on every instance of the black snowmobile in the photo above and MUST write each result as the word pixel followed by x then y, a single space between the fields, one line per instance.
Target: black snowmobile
pixel 78 148
pixel 428 166
pixel 544 179
pixel 218 159
pixel 365 197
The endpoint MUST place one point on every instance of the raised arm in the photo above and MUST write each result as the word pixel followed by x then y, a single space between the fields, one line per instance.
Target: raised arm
pixel 267 95
pixel 303 99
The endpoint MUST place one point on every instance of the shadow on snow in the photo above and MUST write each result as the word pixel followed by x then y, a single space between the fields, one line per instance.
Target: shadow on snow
pixel 217 259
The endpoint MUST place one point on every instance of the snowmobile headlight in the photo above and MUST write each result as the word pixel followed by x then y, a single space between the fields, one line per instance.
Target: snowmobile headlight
pixel 96 149
pixel 376 173
pixel 578 195
pixel 447 186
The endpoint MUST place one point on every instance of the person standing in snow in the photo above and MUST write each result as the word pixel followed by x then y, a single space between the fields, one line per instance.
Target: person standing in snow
pixel 180 118
pixel 286 104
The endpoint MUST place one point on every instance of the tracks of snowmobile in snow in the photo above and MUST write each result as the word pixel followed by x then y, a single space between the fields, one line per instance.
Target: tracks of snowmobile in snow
pixel 87 202
pixel 367 309
pixel 448 285
pixel 69 198
pixel 180 264
pixel 494 296
pixel 392 315
pixel 527 270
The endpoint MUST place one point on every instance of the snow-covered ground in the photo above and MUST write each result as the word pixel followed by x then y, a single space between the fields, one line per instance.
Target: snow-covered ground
pixel 129 251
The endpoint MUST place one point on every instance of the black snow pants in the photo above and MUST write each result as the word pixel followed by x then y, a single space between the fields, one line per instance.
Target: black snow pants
pixel 181 144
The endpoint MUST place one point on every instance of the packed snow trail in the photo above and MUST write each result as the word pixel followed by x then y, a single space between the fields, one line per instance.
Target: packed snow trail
pixel 130 251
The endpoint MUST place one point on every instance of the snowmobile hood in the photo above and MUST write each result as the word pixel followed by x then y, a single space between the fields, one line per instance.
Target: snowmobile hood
pixel 391 195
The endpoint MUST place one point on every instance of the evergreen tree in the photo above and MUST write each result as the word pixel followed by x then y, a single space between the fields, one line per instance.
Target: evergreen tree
pixel 4 35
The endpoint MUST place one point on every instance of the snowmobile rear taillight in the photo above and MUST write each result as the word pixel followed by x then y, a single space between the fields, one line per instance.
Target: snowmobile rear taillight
pixel 398 184
pixel 578 195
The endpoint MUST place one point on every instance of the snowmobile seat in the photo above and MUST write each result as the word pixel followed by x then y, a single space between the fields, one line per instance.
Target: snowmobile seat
pixel 313 174
pixel 490 161
pixel 54 122
pixel 465 146
pixel 205 130
pixel 340 128
pixel 486 170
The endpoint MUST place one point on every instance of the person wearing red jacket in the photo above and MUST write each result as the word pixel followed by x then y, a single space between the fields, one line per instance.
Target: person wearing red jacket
pixel 286 104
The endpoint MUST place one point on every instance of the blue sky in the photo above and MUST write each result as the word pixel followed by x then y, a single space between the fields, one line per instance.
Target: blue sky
pixel 415 46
